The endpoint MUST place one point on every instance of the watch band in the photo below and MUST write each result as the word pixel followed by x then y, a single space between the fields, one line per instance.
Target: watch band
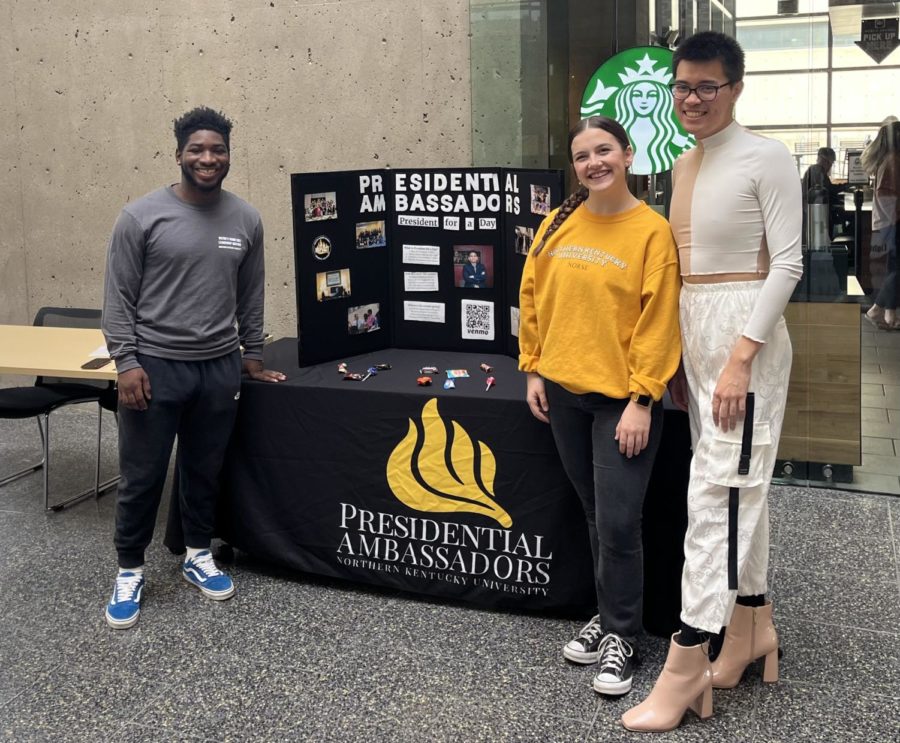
pixel 644 401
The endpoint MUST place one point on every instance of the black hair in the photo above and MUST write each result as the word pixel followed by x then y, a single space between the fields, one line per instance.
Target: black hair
pixel 202 118
pixel 708 46
pixel 826 152
pixel 581 193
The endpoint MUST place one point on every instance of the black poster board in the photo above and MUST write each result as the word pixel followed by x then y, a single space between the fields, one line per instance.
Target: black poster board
pixel 420 258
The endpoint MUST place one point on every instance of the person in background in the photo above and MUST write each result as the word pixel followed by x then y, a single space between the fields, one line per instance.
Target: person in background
pixel 598 340
pixel 736 216
pixel 881 159
pixel 183 292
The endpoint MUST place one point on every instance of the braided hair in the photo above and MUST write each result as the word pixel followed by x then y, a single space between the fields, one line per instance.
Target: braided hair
pixel 574 200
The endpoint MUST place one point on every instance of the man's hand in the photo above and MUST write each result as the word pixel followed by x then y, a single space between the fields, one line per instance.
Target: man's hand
pixel 134 389
pixel 730 396
pixel 633 429
pixel 536 397
pixel 254 369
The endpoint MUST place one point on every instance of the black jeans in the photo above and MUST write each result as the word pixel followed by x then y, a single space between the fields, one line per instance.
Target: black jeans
pixel 611 489
pixel 197 400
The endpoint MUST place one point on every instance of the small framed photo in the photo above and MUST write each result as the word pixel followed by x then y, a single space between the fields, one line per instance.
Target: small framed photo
pixel 540 200
pixel 366 318
pixel 319 206
pixel 523 240
pixel 333 284
pixel 370 235
pixel 473 266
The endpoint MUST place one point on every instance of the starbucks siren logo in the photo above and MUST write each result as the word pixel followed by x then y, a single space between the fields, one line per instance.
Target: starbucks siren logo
pixel 632 88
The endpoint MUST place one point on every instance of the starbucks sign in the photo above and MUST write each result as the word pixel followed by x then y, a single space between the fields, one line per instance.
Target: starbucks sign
pixel 632 88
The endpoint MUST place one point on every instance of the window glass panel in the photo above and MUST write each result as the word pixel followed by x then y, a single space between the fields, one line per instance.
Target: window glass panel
pixel 753 8
pixel 780 100
pixel 784 43
pixel 865 95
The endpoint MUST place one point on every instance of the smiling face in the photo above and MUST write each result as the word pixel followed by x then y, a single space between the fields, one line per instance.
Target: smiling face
pixel 600 161
pixel 473 258
pixel 705 118
pixel 644 98
pixel 204 162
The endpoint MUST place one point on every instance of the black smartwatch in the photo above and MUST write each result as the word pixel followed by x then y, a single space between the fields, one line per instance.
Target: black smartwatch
pixel 645 401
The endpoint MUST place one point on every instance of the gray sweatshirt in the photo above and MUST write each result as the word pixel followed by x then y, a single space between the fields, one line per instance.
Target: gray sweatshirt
pixel 184 282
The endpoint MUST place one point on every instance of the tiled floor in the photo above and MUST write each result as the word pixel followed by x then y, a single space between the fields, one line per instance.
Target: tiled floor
pixel 880 469
pixel 292 657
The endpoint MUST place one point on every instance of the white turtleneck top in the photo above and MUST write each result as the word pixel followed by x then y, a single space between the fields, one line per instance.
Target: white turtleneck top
pixel 736 210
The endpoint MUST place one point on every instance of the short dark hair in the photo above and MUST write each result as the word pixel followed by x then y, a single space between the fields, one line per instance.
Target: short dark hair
pixel 826 152
pixel 202 118
pixel 708 46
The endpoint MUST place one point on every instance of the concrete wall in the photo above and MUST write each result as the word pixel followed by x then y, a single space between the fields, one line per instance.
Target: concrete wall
pixel 89 89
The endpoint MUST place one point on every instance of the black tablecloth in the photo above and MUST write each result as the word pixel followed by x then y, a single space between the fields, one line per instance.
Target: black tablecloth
pixel 345 479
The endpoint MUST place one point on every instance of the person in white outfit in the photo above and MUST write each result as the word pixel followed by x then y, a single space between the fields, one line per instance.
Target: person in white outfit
pixel 736 215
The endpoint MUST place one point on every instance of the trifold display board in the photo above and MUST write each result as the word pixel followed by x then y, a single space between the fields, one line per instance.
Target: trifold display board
pixel 425 258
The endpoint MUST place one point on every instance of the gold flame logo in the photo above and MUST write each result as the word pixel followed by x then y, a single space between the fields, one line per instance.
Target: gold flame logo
pixel 428 482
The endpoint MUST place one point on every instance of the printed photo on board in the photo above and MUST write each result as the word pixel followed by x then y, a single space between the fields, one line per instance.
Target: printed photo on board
pixel 318 206
pixel 540 200
pixel 364 319
pixel 473 266
pixel 321 247
pixel 370 235
pixel 524 238
pixel 333 284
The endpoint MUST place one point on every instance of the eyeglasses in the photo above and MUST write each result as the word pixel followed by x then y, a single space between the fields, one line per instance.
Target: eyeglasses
pixel 705 92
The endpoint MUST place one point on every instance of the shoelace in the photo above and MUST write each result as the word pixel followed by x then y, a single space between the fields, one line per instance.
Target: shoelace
pixel 205 562
pixel 126 586
pixel 591 632
pixel 613 651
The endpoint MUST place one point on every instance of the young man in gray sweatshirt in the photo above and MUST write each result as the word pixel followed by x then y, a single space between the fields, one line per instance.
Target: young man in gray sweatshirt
pixel 184 291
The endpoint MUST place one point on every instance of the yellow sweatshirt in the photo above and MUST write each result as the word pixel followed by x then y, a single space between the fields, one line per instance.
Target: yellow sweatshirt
pixel 599 304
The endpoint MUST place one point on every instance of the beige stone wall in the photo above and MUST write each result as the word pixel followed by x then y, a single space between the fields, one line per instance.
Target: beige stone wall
pixel 89 89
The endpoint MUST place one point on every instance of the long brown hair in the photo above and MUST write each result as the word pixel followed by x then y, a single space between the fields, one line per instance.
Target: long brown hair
pixel 581 193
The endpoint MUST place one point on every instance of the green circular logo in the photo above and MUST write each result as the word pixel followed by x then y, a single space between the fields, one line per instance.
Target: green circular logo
pixel 632 88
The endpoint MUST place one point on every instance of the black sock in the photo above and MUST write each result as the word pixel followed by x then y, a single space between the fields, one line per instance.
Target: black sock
pixel 688 636
pixel 715 644
pixel 754 601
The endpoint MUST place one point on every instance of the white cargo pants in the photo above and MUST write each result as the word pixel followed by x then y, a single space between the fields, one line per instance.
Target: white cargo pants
pixel 712 318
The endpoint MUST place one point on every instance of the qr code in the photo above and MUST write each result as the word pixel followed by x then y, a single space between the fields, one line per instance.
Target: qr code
pixel 477 320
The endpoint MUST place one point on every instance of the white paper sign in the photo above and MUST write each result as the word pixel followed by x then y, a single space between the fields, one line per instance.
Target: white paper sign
pixel 427 254
pixel 413 220
pixel 420 281
pixel 477 320
pixel 514 321
pixel 424 311
pixel 451 223
pixel 487 223
pixel 470 223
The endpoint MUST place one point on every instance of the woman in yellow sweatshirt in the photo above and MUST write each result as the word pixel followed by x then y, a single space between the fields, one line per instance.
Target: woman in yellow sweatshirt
pixel 599 340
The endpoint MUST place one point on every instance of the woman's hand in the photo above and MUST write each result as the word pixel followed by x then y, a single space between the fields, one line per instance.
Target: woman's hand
pixel 633 429
pixel 536 397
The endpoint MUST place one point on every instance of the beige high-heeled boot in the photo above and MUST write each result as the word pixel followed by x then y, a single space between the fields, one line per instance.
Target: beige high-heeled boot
pixel 685 682
pixel 750 636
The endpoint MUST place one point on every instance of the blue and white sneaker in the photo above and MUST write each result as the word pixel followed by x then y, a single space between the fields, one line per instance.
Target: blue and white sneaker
pixel 203 573
pixel 125 605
